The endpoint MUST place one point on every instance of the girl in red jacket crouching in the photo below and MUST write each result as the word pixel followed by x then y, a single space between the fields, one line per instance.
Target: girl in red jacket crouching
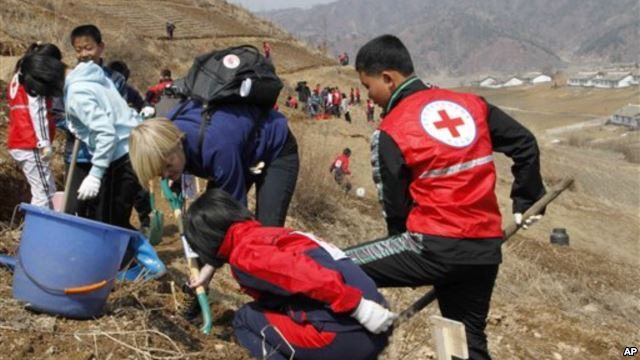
pixel 310 300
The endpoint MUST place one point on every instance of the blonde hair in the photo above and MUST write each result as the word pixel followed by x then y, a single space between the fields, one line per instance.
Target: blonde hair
pixel 149 145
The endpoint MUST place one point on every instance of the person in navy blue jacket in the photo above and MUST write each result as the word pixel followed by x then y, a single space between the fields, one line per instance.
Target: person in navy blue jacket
pixel 311 301
pixel 241 145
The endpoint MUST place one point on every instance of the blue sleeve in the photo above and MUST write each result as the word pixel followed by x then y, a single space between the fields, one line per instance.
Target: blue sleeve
pixel 229 172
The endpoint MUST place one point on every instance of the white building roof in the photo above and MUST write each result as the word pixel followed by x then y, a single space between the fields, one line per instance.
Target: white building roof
pixel 630 110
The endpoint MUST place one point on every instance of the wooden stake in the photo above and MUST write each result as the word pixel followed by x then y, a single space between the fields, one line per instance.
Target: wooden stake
pixel 450 338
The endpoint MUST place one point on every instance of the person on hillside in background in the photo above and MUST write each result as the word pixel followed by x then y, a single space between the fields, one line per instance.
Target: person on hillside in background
pixel 336 100
pixel 154 92
pixel 132 96
pixel 310 300
pixel 357 95
pixel 31 131
pixel 170 27
pixel 344 107
pixel 432 157
pixel 291 102
pixel 352 97
pixel 267 49
pixel 317 89
pixel 303 93
pixel 340 169
pixel 87 42
pixel 371 108
pixel 315 105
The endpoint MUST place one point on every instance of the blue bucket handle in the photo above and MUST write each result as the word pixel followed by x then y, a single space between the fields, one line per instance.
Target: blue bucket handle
pixel 83 289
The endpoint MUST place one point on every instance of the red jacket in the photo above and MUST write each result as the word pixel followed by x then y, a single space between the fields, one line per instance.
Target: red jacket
pixel 342 162
pixel 154 91
pixel 445 141
pixel 31 123
pixel 284 269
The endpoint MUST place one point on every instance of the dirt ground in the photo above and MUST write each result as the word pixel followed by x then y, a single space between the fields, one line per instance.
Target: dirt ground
pixel 549 302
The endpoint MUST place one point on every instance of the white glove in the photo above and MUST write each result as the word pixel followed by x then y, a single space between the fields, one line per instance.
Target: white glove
pixel 517 217
pixel 257 169
pixel 147 112
pixel 89 188
pixel 46 153
pixel 204 278
pixel 373 316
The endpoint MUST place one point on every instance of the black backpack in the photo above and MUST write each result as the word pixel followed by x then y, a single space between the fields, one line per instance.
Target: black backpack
pixel 234 75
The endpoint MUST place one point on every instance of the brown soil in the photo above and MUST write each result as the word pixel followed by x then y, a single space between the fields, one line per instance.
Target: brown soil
pixel 576 302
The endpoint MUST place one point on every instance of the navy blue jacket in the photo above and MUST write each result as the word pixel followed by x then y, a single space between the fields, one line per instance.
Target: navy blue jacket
pixel 231 144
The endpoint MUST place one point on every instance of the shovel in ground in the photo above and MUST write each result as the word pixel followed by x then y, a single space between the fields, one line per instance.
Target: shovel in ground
pixel 176 202
pixel 156 225
pixel 508 232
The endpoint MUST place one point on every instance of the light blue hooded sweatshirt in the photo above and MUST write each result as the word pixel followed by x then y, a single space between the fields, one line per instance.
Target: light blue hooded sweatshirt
pixel 98 115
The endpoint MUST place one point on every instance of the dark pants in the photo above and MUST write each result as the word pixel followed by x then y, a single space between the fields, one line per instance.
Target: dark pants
pixel 82 208
pixel 88 208
pixel 347 117
pixel 118 192
pixel 142 204
pixel 274 189
pixel 255 329
pixel 463 291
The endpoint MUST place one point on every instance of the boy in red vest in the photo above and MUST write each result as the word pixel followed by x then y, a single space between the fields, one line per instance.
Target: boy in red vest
pixel 340 169
pixel 432 159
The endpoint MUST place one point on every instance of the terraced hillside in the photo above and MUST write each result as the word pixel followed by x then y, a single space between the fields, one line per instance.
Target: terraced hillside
pixel 134 31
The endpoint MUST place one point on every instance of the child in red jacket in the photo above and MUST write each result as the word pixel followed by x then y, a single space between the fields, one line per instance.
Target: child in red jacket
pixel 31 131
pixel 340 169
pixel 310 300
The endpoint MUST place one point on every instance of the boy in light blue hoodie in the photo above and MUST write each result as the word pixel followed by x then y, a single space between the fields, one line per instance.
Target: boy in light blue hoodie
pixel 101 119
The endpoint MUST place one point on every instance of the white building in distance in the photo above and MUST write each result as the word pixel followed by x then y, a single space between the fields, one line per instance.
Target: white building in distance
pixel 627 116
pixel 513 81
pixel 584 78
pixel 614 80
pixel 535 78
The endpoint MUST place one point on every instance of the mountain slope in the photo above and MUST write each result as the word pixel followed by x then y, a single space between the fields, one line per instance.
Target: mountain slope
pixel 467 37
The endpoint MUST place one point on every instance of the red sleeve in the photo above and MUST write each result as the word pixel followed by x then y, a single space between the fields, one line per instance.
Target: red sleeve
pixel 273 269
pixel 345 167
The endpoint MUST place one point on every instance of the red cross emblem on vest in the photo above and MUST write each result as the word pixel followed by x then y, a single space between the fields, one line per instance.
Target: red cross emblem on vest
pixel 448 123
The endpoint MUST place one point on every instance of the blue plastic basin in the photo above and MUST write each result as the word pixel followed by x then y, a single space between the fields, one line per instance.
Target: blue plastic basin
pixel 66 265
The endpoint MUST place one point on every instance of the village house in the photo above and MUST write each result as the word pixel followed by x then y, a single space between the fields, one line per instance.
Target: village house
pixel 535 78
pixel 627 116
pixel 513 81
pixel 486 82
pixel 614 80
pixel 584 78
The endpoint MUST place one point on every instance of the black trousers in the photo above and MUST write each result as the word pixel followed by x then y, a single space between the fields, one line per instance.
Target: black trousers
pixel 463 291
pixel 274 189
pixel 89 208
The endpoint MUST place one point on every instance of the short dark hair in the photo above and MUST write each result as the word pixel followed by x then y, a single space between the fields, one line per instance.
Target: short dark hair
pixel 89 30
pixel 346 151
pixel 207 221
pixel 42 75
pixel 166 72
pixel 385 52
pixel 47 49
pixel 119 66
